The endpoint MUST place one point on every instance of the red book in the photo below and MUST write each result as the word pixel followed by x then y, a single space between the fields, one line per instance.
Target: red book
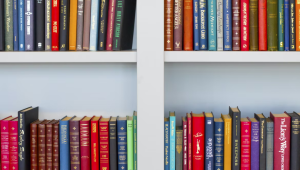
pixel 282 129
pixel 262 25
pixel 244 25
pixel 85 146
pixel 13 144
pixel 189 139
pixel 95 143
pixel 104 143
pixel 55 25
pixel 34 145
pixel 198 129
pixel 110 24
pixel 55 138
pixel 5 142
pixel 245 144
pixel 185 143
pixel 42 145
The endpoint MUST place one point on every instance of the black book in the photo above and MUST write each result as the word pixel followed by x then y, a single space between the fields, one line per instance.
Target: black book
pixel 113 156
pixel 262 140
pixel 40 25
pixel 103 25
pixel 124 25
pixel 2 43
pixel 178 154
pixel 25 117
pixel 235 115
pixel 292 26
pixel 295 140
pixel 64 25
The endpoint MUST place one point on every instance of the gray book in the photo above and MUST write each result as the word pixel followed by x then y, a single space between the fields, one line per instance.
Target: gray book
pixel 48 30
pixel 270 135
pixel 178 153
pixel 8 13
pixel 220 25
pixel 29 25
pixel 79 25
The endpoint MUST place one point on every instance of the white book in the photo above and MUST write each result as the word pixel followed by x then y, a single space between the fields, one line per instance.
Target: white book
pixel 220 25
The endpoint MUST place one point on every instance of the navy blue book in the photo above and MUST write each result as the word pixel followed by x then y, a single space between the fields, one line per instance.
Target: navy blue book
pixel 227 25
pixel 196 24
pixel 15 25
pixel 209 141
pixel 292 26
pixel 286 25
pixel 167 144
pixel 64 142
pixel 21 26
pixel 122 142
pixel 219 144
pixel 203 24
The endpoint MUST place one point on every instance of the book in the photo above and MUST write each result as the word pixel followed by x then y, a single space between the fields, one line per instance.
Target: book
pixel 64 143
pixel 172 139
pixel 86 25
pixel 4 132
pixel 254 144
pixel 236 29
pixel 55 138
pixel 203 24
pixel 103 25
pixel 270 145
pixel 185 143
pixel 179 155
pixel 39 42
pixel 227 26
pixel 129 142
pixel 48 26
pixel 96 141
pixel 25 117
pixel 209 141
pixel 219 144
pixel 189 139
pixel 281 31
pixel 13 144
pixel 286 25
pixel 262 26
pixel 187 25
pixel 245 144
pixel 21 25
pixel 227 141
pixel 75 143
pixel 73 25
pixel 41 138
pixel 262 140
pixel 29 27
pixel 297 25
pixel 235 114
pixel 196 25
pixel 253 25
pixel 104 143
pixel 94 25
pixel 111 24
pixel 8 18
pixel 178 22
pixel 34 144
pixel 49 144
pixel 295 139
pixel 245 25
pixel 2 30
pixel 212 24
pixel 15 25
pixel 292 25
pixel 198 131
pixel 134 140
pixel 281 150
pixel 79 30
pixel 64 25
pixel 113 155
pixel 55 25
pixel 85 145
pixel 272 25
pixel 220 25
pixel 166 143
pixel 122 142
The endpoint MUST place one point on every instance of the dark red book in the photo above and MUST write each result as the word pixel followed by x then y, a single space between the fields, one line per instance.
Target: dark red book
pixel 95 143
pixel 42 144
pixel 75 143
pixel 189 139
pixel 262 25
pixel 185 143
pixel 5 142
pixel 55 155
pixel 55 25
pixel 244 25
pixel 245 144
pixel 236 25
pixel 282 129
pixel 49 145
pixel 110 24
pixel 34 144
pixel 198 129
pixel 104 143
pixel 85 145
pixel 178 25
pixel 13 144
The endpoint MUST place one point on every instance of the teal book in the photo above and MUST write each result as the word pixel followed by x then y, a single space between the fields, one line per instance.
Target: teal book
pixel 172 140
pixel 280 25
pixel 129 143
pixel 212 24
pixel 134 140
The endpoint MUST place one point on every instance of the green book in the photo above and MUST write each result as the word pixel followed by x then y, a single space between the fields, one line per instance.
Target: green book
pixel 134 140
pixel 179 154
pixel 272 25
pixel 281 25
pixel 8 13
pixel 129 143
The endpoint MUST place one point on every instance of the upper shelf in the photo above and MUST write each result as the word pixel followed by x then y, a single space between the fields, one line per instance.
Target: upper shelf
pixel 232 56
pixel 69 57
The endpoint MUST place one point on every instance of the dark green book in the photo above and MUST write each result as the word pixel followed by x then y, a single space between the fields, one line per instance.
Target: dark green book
pixel 272 28
pixel 280 25
pixel 179 151
pixel 8 20
pixel 134 140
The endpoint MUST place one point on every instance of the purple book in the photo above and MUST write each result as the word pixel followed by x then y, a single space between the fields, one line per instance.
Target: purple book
pixel 254 144
pixel 29 25
pixel 178 21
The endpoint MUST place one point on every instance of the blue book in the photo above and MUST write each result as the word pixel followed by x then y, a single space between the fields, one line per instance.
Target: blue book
pixel 21 26
pixel 172 140
pixel 196 24
pixel 219 144
pixel 167 144
pixel 212 24
pixel 227 25
pixel 203 24
pixel 64 142
pixel 286 25
pixel 15 25
pixel 209 141
pixel 94 25
pixel 122 142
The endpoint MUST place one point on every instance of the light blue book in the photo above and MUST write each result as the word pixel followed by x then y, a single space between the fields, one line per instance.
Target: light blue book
pixel 21 27
pixel 172 140
pixel 212 24
pixel 94 25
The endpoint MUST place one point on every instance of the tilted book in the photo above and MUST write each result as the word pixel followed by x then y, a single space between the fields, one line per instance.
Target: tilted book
pixel 75 143
pixel 295 139
pixel 262 140
pixel 39 42
pixel 198 130
pixel 104 143
pixel 236 29
pixel 227 141
pixel 209 141
pixel 103 25
pixel 79 33
pixel 219 144
pixel 203 24
pixel 111 23
pixel 254 144
pixel 172 139
pixel 166 143
pixel 85 145
pixel 178 24
pixel 113 155
pixel 135 140
pixel 189 139
pixel 94 25
pixel 262 25
pixel 48 25
pixel 122 142
pixel 245 144
pixel 185 143
pixel 220 25
pixel 270 145
pixel 196 24
pixel 41 143
pixel 253 25
pixel 4 133
pixel 96 141
pixel 13 144
pixel 212 24
pixel 64 142
pixel 272 22
pixel 15 25
pixel 227 26
pixel 235 114
pixel 188 25
pixel 9 37
pixel 21 26
pixel 286 25
pixel 64 25
pixel 55 25
pixel 29 25
pixel 245 25
pixel 281 31
pixel 179 155
pixel 129 142
pixel 34 144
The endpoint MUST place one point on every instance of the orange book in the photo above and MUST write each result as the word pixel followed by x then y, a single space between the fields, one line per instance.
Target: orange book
pixel 297 39
pixel 73 25
pixel 188 25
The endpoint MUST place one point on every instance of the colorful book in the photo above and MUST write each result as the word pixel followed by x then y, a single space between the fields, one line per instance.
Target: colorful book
pixel 103 25
pixel 235 114
pixel 21 26
pixel 272 25
pixel 209 141
pixel 85 145
pixel 178 22
pixel 122 142
pixel 8 17
pixel 270 144
pixel 262 140
pixel 292 25
pixel 129 143
pixel 64 142
pixel 49 144
pixel 111 23
pixel 55 25
pixel 236 29
pixel 34 144
pixel 15 25
pixel 187 25
pixel 39 15
pixel 75 143
pixel 295 139
pixel 113 155
pixel 64 25
pixel 281 21
pixel 245 144
pixel 219 144
pixel 179 153
pixel 212 24
pixel 95 4
pixel 286 25
pixel 185 143
pixel 135 140
pixel 227 26
pixel 4 132
pixel 253 25
pixel 86 25
pixel 2 30
pixel 297 21
pixel 227 141
pixel 220 25
pixel 245 25
pixel 167 144
pixel 41 138
pixel 172 139
pixel 95 141
pixel 262 25
pixel 13 144
pixel 189 139
pixel 55 138
pixel 198 131
pixel 196 24
pixel 254 144
pixel 203 24
pixel 48 26
pixel 104 143
pixel 73 25
pixel 79 30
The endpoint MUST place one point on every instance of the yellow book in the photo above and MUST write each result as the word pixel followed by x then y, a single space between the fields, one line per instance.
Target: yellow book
pixel 73 25
pixel 227 141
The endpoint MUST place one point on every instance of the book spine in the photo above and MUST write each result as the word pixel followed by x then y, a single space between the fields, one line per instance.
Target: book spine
pixel 286 25
pixel 94 25
pixel 113 156
pixel 179 150
pixel 15 25
pixel 295 139
pixel 55 147
pixel 95 144
pixel 85 147
pixel 297 20
pixel 122 144
pixel 9 38
pixel 209 143
pixel 172 141
pixel 167 145
pixel 29 26
pixel 220 25
pixel 189 140
pixel 196 24
pixel 236 26
pixel 281 21
pixel 4 145
pixel 48 26
pixel 2 30
pixel 262 25
pixel 292 25
pixel 253 25
pixel 111 23
pixel 86 25
pixel 64 25
pixel 281 150
pixel 269 154
pixel 272 25
pixel 255 146
pixel 33 146
pixel 219 145
pixel 135 142
pixel 104 145
pixel 185 145
pixel 75 145
pixel 227 144
pixel 49 146
pixel 245 25
pixel 188 25
pixel 178 21
pixel 103 25
pixel 79 36
pixel 212 25
pixel 21 26
pixel 203 24
pixel 40 28
pixel 236 141
pixel 13 145
pixel 130 144
pixel 198 129
pixel 227 26
pixel 22 143
pixel 64 145
pixel 262 144
pixel 245 145
pixel 73 25
pixel 55 25
pixel 41 147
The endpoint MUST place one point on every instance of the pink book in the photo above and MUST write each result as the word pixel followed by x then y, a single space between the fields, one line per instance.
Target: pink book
pixel 13 144
pixel 5 143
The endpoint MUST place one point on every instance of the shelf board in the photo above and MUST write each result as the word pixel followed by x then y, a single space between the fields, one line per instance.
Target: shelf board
pixel 232 56
pixel 69 57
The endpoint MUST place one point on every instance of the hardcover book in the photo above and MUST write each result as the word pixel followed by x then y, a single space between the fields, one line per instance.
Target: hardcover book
pixel 295 139
pixel 55 138
pixel 184 143
pixel 203 24
pixel 29 25
pixel 4 132
pixel 49 144
pixel 34 144
pixel 244 25
pixel 198 130
pixel 75 143
pixel 189 139
pixel 122 142
pixel 212 25
pixel 262 25
pixel 64 25
pixel 2 30
pixel 280 14
pixel 245 144
pixel 187 25
pixel 297 21
pixel 9 37
pixel 272 25
pixel 178 21
pixel 113 156
pixel 219 144
pixel 235 114
pixel 55 25
pixel 41 143
pixel 254 144
pixel 196 25
pixel 103 25
pixel 179 155
pixel 104 143
pixel 209 141
pixel 286 25
pixel 39 28
pixel 96 141
pixel 13 144
pixel 94 25
pixel 48 26
pixel 262 140
pixel 270 146
pixel 227 26
pixel 227 141
pixel 86 25
pixel 79 30
pixel 21 26
pixel 172 139
pixel 166 143
pixel 253 25
pixel 111 24
pixel 292 25
pixel 64 142
pixel 73 25
pixel 129 142
pixel 135 140
pixel 220 25
pixel 15 25
pixel 236 32
pixel 85 145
